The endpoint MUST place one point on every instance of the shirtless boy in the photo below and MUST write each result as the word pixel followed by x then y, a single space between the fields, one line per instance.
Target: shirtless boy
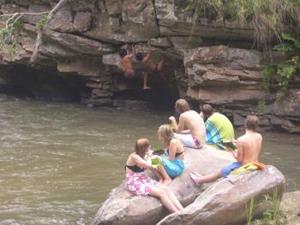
pixel 126 64
pixel 190 128
pixel 248 150
pixel 147 62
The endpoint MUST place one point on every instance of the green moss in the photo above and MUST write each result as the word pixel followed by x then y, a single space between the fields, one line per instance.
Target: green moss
pixel 41 22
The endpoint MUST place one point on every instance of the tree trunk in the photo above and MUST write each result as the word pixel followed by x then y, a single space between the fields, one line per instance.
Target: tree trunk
pixel 39 38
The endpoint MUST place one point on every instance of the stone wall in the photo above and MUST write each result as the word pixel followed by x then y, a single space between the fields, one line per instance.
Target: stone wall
pixel 208 62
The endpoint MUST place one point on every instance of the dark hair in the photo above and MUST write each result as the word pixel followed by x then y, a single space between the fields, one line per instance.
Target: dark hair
pixel 141 146
pixel 122 52
pixel 182 105
pixel 207 110
pixel 139 56
pixel 251 122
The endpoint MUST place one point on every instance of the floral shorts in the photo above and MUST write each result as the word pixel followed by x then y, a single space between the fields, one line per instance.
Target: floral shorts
pixel 139 183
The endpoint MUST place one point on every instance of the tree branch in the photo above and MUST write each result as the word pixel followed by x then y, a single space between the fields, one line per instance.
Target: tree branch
pixel 25 14
pixel 39 38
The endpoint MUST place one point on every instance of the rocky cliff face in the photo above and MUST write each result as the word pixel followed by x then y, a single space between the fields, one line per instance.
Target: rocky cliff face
pixel 208 61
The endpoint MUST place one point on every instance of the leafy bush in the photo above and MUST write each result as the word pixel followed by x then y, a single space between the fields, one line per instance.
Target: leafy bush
pixel 281 74
pixel 8 34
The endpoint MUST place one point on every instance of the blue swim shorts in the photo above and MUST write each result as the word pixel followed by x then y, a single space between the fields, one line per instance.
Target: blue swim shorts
pixel 173 168
pixel 228 169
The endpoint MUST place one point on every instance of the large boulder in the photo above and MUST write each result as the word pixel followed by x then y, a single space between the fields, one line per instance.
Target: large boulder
pixel 228 201
pixel 121 207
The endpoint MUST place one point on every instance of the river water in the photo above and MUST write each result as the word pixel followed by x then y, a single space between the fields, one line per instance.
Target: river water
pixel 59 161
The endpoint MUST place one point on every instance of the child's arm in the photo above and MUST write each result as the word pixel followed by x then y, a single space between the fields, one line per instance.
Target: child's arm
pixel 180 127
pixel 172 150
pixel 201 115
pixel 128 57
pixel 239 153
pixel 173 123
pixel 149 54
pixel 133 52
pixel 141 162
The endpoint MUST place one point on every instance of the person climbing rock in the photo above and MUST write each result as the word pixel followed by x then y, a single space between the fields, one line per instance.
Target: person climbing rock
pixel 130 72
pixel 146 60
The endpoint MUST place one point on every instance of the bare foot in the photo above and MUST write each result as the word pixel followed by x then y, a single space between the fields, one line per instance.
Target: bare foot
pixel 160 181
pixel 195 178
pixel 166 182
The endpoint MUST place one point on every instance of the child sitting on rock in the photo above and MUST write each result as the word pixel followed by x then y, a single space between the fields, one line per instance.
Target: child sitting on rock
pixel 248 150
pixel 174 151
pixel 138 183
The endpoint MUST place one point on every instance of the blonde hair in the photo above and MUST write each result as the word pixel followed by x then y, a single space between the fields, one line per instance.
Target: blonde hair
pixel 165 133
pixel 141 147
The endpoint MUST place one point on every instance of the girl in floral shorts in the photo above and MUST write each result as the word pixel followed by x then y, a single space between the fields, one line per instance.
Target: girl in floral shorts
pixel 138 183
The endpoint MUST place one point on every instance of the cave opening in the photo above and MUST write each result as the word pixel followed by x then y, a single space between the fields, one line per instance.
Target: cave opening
pixel 158 97
pixel 162 94
pixel 26 82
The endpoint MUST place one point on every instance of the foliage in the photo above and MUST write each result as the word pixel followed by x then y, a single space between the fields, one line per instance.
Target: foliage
pixel 250 211
pixel 272 212
pixel 41 22
pixel 261 106
pixel 8 34
pixel 282 73
pixel 268 17
pixel 272 216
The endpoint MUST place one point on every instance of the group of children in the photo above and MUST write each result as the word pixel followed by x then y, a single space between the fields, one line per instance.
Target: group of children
pixel 188 132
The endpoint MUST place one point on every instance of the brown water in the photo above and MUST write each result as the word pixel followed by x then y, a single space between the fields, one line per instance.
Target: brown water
pixel 58 162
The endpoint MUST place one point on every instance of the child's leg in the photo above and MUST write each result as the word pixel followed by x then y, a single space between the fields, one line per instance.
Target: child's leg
pixel 205 179
pixel 174 199
pixel 145 81
pixel 160 64
pixel 165 200
pixel 165 176
pixel 160 177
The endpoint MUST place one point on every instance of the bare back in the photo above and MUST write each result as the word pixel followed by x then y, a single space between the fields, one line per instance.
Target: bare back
pixel 250 146
pixel 192 121
pixel 126 65
pixel 175 147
